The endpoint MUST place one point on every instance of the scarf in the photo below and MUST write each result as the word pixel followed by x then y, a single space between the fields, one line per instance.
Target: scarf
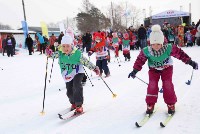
pixel 157 53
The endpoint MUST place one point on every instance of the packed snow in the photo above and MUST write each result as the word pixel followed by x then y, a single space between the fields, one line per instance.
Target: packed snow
pixel 22 89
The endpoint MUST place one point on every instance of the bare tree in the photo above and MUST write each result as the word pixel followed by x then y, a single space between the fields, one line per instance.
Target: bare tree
pixel 124 14
pixel 92 20
pixel 86 6
pixel 5 27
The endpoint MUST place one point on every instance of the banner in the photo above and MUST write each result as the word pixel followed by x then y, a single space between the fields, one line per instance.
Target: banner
pixel 62 27
pixel 25 28
pixel 44 29
pixel 170 14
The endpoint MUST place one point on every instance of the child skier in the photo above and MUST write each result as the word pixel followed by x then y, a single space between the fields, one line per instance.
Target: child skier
pixel 100 48
pixel 71 63
pixel 126 47
pixel 160 65
pixel 115 44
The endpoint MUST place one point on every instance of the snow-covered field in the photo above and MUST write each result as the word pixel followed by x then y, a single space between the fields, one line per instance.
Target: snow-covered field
pixel 22 88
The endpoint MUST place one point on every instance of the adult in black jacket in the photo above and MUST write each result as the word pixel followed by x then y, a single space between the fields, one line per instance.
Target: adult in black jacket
pixel 88 41
pixel 4 45
pixel 9 46
pixel 29 43
pixel 142 35
pixel 13 43
pixel 60 38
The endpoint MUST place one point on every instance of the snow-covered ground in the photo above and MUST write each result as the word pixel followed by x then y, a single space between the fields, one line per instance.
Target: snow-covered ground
pixel 22 88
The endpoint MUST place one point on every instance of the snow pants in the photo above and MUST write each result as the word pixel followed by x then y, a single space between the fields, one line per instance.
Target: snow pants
pixel 116 51
pixel 75 90
pixel 167 85
pixel 9 50
pixel 126 54
pixel 103 65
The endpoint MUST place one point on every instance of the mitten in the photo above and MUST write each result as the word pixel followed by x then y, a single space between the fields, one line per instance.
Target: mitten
pixel 56 44
pixel 90 53
pixel 49 52
pixel 193 64
pixel 132 74
pixel 96 70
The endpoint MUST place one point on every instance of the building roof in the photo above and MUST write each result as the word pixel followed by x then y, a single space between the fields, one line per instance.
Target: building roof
pixel 39 29
pixel 15 31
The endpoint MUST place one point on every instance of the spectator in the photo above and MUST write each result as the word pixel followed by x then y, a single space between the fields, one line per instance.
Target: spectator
pixel 52 40
pixel 9 46
pixel 4 45
pixel 88 41
pixel 29 43
pixel 13 43
pixel 142 36
pixel 41 42
pixel 60 38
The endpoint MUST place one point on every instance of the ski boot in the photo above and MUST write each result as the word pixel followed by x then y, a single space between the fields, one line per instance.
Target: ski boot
pixel 125 58
pixel 107 75
pixel 79 110
pixel 150 108
pixel 171 109
pixel 73 106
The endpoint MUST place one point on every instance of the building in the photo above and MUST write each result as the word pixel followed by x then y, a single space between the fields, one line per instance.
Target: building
pixel 18 34
pixel 56 31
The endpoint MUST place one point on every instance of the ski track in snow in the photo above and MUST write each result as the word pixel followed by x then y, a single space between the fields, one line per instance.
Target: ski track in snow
pixel 22 88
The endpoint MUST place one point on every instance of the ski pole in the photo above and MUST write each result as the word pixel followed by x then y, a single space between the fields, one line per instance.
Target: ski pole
pixel 141 80
pixel 90 70
pixel 114 95
pixel 161 90
pixel 189 81
pixel 118 61
pixel 51 70
pixel 88 77
pixel 42 113
pixel 1 68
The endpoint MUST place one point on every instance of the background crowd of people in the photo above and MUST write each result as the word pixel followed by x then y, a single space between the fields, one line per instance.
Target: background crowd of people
pixel 182 35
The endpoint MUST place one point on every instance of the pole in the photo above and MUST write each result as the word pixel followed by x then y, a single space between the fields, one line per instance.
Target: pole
pixel 190 13
pixel 24 10
pixel 181 8
pixel 126 14
pixel 51 70
pixel 42 113
pixel 111 15
pixel 114 95
pixel 67 22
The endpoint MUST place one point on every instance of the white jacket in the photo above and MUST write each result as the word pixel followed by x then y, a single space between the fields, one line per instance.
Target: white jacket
pixel 198 32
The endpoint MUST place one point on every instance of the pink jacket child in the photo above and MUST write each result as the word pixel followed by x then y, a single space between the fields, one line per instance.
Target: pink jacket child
pixel 115 44
pixel 126 46
pixel 160 65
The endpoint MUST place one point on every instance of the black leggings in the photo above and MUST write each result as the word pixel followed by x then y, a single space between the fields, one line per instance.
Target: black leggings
pixel 75 90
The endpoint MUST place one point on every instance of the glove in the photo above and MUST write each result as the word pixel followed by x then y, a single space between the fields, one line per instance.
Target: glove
pixel 96 70
pixel 193 64
pixel 49 52
pixel 132 74
pixel 90 53
pixel 56 44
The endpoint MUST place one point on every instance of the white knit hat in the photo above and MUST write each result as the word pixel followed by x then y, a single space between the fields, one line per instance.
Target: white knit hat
pixel 156 36
pixel 67 39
